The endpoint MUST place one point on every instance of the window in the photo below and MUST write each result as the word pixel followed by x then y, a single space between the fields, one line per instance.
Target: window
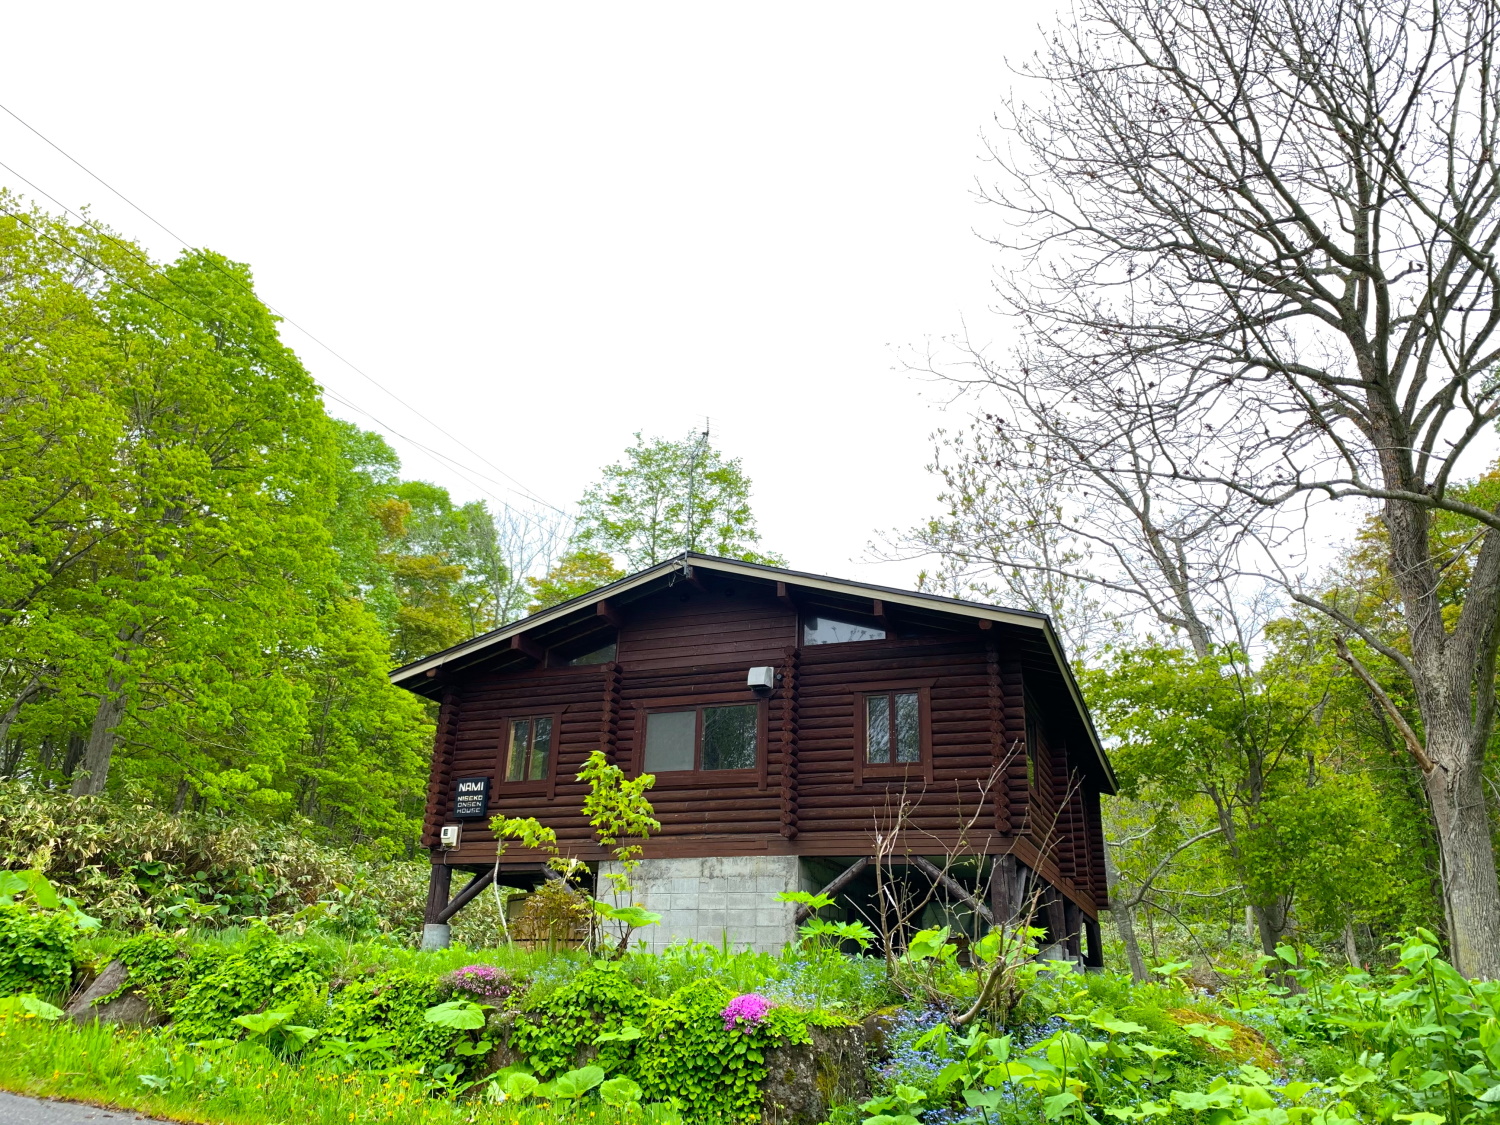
pixel 529 754
pixel 1033 746
pixel 893 730
pixel 830 631
pixel 599 656
pixel 705 738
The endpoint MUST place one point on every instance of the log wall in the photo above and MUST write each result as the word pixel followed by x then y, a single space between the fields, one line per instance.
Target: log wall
pixel 806 795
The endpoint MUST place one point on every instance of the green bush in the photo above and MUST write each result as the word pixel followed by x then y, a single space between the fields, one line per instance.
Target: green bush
pixel 392 1007
pixel 36 950
pixel 556 1025
pixel 686 1053
pixel 261 972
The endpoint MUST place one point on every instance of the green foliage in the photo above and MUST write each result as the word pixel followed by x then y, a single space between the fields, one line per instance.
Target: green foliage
pixel 136 867
pixel 686 1053
pixel 667 497
pixel 262 972
pixel 36 950
pixel 394 1008
pixel 577 573
pixel 156 965
pixel 555 1026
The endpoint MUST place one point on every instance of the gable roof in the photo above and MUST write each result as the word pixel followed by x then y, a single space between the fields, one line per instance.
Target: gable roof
pixel 417 675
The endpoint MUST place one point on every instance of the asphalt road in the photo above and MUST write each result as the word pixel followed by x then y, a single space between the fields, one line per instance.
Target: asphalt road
pixel 16 1110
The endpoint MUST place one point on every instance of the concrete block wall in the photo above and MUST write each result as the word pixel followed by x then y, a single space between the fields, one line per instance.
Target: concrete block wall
pixel 709 899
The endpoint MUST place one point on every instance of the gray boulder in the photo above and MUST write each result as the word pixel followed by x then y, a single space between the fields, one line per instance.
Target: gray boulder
pixel 127 1008
pixel 804 1080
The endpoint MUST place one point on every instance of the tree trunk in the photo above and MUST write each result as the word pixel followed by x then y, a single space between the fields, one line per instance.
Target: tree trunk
pixel 101 744
pixel 1124 916
pixel 181 799
pixel 1351 947
pixel 1471 896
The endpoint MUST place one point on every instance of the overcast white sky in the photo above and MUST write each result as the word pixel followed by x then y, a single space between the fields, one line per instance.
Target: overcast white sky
pixel 550 226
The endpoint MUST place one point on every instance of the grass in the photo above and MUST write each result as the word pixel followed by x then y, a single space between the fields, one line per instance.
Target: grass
pixel 243 1084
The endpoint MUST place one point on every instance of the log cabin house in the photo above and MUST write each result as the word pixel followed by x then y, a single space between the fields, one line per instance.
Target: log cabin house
pixel 784 715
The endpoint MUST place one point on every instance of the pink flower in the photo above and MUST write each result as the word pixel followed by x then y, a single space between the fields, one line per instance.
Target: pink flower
pixel 744 1012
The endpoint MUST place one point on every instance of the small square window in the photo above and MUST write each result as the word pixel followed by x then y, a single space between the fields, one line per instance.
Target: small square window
pixel 669 740
pixel 529 754
pixel 729 737
pixel 893 729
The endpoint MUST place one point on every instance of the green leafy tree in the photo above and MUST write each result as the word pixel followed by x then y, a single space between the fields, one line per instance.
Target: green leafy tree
pixel 666 497
pixel 576 573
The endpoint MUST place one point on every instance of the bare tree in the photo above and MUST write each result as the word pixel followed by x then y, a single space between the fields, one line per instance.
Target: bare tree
pixel 1262 233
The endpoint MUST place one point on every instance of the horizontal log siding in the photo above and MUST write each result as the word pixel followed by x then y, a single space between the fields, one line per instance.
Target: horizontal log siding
pixel 580 696
pixel 714 803
pixel 961 721
pixel 688 626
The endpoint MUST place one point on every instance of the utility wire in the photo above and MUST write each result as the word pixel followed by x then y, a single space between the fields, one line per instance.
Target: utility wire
pixel 524 490
pixel 460 469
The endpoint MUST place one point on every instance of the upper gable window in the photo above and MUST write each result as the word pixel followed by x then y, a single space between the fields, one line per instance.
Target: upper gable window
pixel 832 631
pixel 599 656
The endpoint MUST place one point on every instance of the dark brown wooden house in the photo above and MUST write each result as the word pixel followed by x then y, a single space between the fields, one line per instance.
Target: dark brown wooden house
pixel 783 715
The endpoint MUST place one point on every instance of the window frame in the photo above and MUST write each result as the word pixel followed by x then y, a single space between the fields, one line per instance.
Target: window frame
pixel 803 642
pixel 922 768
pixel 698 776
pixel 529 787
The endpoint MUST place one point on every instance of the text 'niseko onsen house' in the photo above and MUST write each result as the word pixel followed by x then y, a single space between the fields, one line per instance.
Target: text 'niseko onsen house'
pixel 790 719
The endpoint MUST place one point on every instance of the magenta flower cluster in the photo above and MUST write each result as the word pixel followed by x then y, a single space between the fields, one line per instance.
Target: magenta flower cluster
pixel 744 1012
pixel 484 981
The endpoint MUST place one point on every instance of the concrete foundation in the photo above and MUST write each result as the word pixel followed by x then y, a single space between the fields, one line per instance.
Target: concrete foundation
pixel 717 899
pixel 435 935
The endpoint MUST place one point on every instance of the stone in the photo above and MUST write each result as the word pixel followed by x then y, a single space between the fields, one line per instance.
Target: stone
pixel 804 1080
pixel 130 1008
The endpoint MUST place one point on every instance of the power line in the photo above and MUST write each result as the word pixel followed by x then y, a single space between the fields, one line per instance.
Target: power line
pixel 524 490
pixel 457 467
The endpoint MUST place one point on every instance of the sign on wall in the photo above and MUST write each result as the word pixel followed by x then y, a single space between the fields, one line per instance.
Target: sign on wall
pixel 471 800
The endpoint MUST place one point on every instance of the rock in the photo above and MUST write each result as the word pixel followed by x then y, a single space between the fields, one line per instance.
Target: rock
pixel 878 1026
pixel 127 1008
pixel 804 1080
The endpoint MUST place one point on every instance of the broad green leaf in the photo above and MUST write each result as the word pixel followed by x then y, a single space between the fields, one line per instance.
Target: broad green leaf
pixel 519 1086
pixel 620 1092
pixel 626 1033
pixel 576 1083
pixel 462 1014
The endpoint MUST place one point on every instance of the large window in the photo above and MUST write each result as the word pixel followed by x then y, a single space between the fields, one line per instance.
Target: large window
pixel 893 729
pixel 831 631
pixel 703 738
pixel 528 754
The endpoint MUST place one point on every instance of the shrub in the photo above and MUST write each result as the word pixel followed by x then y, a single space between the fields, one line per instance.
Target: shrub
pixel 392 1007
pixel 555 1025
pixel 36 950
pixel 261 972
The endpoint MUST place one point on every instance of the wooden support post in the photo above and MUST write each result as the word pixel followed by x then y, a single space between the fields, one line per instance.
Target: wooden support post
pixel 467 895
pixel 1057 923
pixel 438 883
pixel 849 875
pixel 1094 956
pixel 1007 890
pixel 952 885
pixel 1073 928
